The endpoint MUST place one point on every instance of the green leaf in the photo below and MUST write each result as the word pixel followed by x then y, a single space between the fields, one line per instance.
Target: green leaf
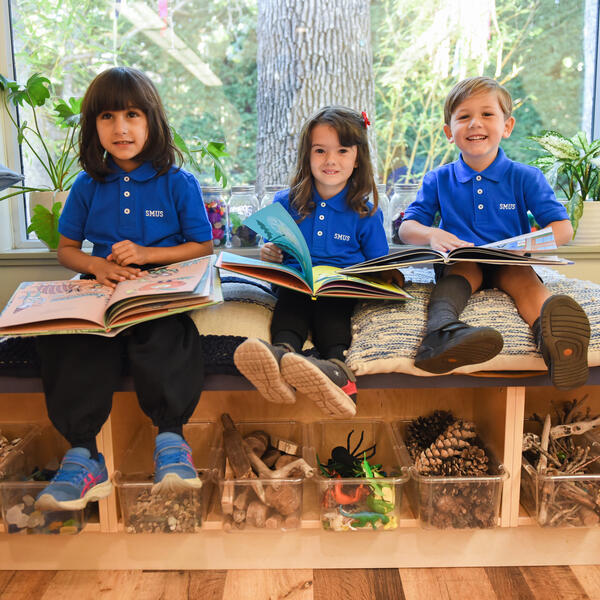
pixel 45 224
pixel 68 114
pixel 37 90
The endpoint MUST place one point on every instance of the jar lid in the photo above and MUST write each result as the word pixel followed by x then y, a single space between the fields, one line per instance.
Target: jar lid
pixel 237 189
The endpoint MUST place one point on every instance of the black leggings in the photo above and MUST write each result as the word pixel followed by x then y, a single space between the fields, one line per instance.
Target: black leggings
pixel 81 372
pixel 328 319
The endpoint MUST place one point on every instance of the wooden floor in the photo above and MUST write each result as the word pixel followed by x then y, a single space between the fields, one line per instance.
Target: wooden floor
pixel 501 583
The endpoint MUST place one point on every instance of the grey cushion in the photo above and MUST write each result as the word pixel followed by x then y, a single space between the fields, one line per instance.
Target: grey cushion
pixel 8 178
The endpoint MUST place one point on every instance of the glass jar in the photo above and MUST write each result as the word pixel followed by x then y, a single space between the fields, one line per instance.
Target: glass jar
pixel 242 204
pixel 215 200
pixel 269 194
pixel 384 204
pixel 404 194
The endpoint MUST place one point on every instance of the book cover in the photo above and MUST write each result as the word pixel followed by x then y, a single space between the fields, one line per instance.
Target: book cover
pixel 523 249
pixel 274 223
pixel 86 306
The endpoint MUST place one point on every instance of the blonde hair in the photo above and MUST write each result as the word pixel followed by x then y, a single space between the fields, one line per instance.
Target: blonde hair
pixel 476 85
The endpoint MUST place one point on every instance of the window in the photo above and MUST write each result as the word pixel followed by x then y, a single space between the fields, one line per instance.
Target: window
pixel 203 58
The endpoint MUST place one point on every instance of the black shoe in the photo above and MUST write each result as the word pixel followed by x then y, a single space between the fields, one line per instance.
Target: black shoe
pixel 259 363
pixel 564 343
pixel 457 344
pixel 330 384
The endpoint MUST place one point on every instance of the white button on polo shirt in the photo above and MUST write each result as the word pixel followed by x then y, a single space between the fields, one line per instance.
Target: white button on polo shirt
pixel 479 191
pixel 478 178
pixel 319 233
pixel 126 178
pixel 126 211
pixel 480 206
pixel 321 217
pixel 126 194
pixel 323 204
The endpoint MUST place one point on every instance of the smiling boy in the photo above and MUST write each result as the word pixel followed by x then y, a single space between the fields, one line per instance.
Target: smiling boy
pixel 484 197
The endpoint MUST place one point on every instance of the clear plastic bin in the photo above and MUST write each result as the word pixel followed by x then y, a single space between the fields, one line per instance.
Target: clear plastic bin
pixel 12 462
pixel 165 512
pixel 264 503
pixel 40 448
pixel 358 503
pixel 447 502
pixel 562 500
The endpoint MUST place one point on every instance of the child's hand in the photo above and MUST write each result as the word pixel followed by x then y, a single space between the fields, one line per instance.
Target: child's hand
pixel 271 253
pixel 392 276
pixel 126 253
pixel 109 273
pixel 445 241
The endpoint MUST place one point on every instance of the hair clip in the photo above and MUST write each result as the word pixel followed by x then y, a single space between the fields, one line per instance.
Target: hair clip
pixel 365 119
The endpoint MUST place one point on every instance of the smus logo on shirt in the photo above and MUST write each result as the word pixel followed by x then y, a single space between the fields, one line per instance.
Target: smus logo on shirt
pixel 341 236
pixel 155 213
pixel 504 206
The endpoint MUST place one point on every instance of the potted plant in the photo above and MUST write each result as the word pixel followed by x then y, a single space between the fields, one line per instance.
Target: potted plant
pixel 59 165
pixel 573 166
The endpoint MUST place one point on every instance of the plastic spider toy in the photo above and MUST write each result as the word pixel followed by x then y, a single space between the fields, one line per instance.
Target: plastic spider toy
pixel 346 462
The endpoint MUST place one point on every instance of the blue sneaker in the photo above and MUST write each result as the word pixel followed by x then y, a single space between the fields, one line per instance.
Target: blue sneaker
pixel 79 480
pixel 173 467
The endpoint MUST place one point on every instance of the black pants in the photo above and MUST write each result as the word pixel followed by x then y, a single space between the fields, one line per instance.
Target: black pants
pixel 81 372
pixel 327 318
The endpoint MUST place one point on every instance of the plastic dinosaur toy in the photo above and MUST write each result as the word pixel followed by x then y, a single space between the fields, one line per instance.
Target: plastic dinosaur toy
pixel 362 519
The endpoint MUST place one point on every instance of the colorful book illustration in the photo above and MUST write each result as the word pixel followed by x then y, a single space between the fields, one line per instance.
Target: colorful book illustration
pixel 518 250
pixel 86 306
pixel 275 224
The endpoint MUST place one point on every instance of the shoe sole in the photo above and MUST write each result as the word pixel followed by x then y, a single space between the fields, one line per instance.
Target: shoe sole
pixel 172 482
pixel 257 364
pixel 479 346
pixel 310 380
pixel 48 502
pixel 566 335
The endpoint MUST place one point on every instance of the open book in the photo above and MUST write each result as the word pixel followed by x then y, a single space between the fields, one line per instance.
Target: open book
pixel 86 306
pixel 275 224
pixel 519 250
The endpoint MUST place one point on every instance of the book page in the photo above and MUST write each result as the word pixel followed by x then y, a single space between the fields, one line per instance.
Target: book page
pixel 39 301
pixel 276 225
pixel 182 277
pixel 536 241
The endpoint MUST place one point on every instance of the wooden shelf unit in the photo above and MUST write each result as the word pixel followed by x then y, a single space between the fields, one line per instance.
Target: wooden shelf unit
pixel 496 404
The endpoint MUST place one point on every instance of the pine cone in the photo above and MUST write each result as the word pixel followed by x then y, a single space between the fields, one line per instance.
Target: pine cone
pixel 452 453
pixel 423 431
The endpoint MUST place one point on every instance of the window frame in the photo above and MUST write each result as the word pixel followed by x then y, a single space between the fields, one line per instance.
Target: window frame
pixel 12 212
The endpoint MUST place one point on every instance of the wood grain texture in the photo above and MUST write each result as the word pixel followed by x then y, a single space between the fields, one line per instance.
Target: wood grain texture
pixel 553 582
pixel 509 583
pixel 466 584
pixel 366 584
pixel 208 585
pixel 269 585
pixel 27 584
pixel 589 578
pixel 108 585
pixel 423 584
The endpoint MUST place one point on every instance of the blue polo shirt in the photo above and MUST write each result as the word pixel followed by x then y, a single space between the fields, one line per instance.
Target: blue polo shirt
pixel 140 206
pixel 337 235
pixel 486 206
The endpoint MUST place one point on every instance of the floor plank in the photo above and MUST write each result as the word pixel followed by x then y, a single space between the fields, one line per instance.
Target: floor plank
pixel 272 585
pixel 466 584
pixel 423 584
pixel 553 582
pixel 508 583
pixel 5 577
pixel 162 585
pixel 208 585
pixel 107 585
pixel 344 584
pixel 27 584
pixel 589 578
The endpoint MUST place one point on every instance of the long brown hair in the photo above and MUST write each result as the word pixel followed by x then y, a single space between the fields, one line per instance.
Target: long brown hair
pixel 352 131
pixel 119 88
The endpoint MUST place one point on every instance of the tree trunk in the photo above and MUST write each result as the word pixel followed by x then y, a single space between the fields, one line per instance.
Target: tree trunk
pixel 310 54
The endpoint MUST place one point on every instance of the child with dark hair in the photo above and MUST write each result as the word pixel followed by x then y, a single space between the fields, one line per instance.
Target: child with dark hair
pixel 328 198
pixel 138 210
pixel 485 197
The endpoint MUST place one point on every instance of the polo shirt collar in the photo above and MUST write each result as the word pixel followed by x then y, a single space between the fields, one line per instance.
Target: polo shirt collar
pixel 143 173
pixel 494 172
pixel 337 202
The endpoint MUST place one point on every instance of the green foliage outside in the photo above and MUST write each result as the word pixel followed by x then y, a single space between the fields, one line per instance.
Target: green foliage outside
pixel 420 49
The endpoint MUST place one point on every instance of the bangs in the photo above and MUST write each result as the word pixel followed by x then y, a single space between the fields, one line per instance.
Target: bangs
pixel 119 91
pixel 347 132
